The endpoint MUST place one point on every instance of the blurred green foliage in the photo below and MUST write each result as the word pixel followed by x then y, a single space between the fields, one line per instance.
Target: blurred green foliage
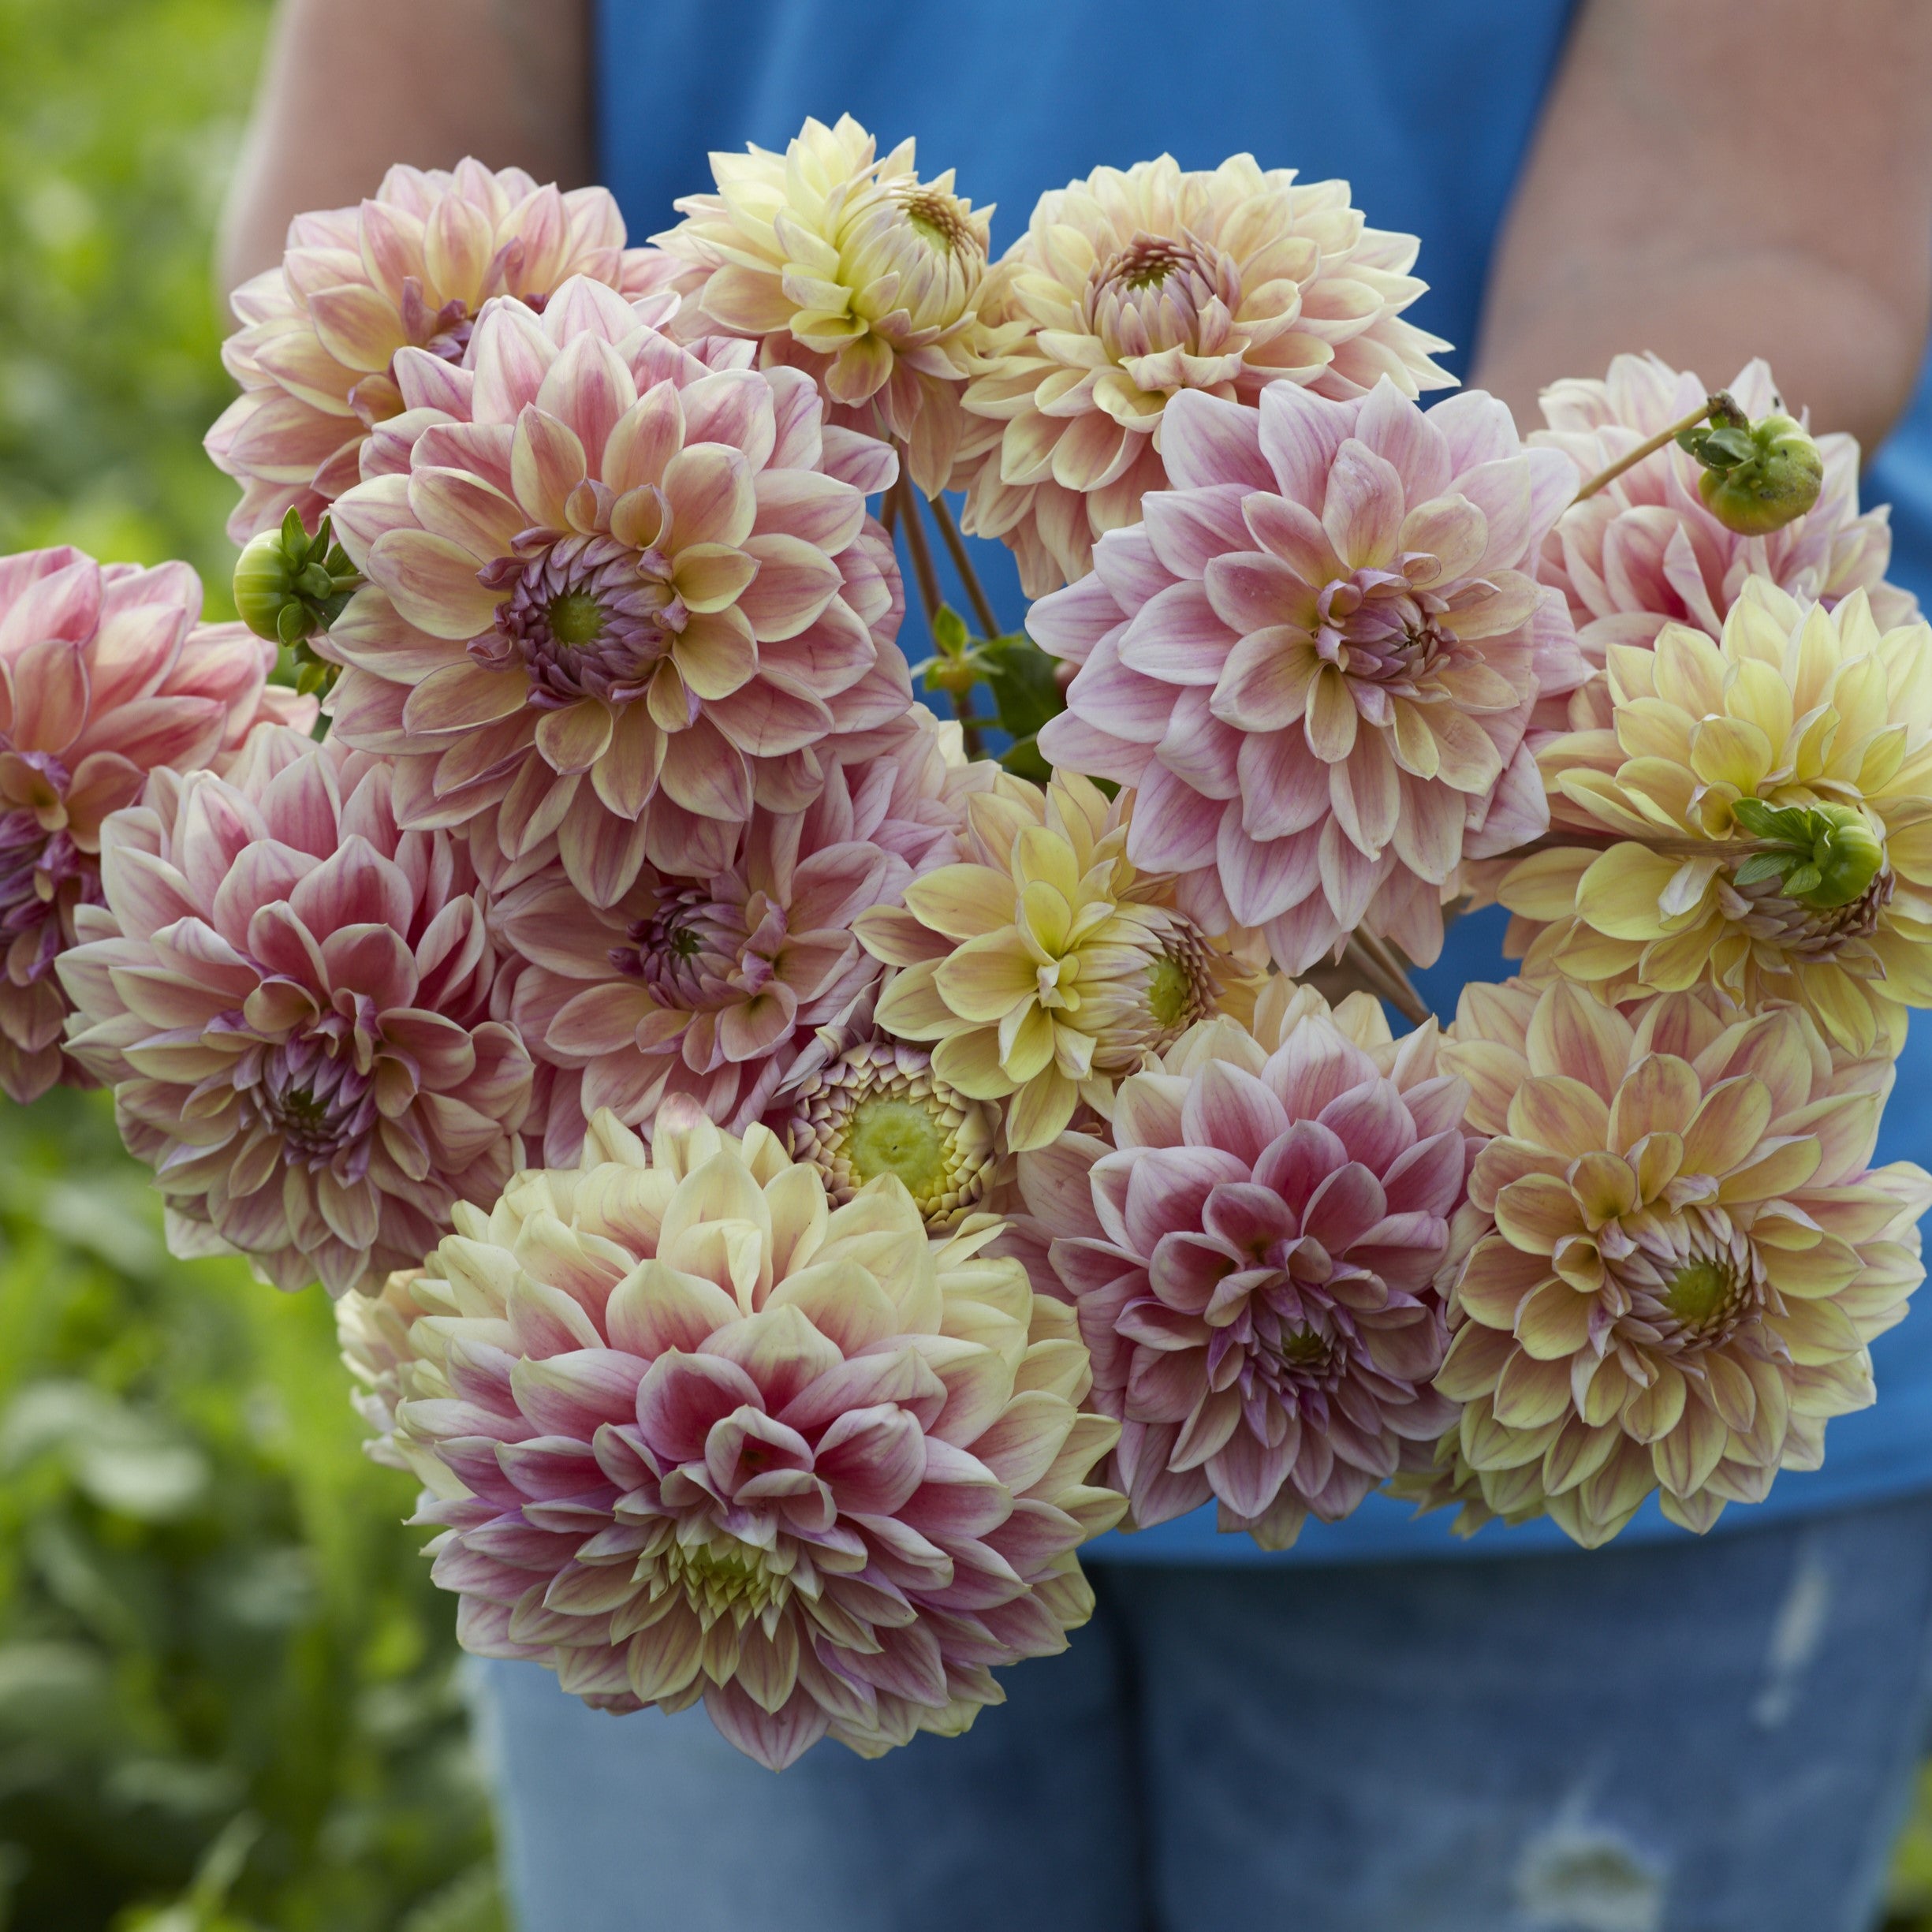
pixel 228 1694
pixel 119 120
pixel 227 1687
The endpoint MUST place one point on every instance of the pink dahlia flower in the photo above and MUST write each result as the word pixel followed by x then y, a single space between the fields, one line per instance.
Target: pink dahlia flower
pixel 1316 658
pixel 617 593
pixel 1255 1261
pixel 410 268
pixel 711 988
pixel 290 997
pixel 1645 550
pixel 105 673
pixel 702 1435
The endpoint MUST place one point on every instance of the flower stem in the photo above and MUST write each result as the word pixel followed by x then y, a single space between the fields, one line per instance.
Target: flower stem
pixel 956 549
pixel 1378 963
pixel 928 581
pixel 1650 448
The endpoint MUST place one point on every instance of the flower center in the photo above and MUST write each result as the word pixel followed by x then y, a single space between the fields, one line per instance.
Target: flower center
pixel 698 953
pixel 43 876
pixel 886 1135
pixel 576 617
pixel 935 218
pixel 721 1578
pixel 1171 992
pixel 586 617
pixel 1374 626
pixel 317 1103
pixel 1163 292
pixel 1698 1293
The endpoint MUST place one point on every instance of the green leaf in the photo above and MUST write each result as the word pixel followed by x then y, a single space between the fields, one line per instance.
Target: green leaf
pixel 1025 691
pixel 1762 866
pixel 949 631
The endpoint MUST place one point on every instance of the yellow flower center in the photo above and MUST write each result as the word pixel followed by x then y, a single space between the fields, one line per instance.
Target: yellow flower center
pixel 720 1579
pixel 1702 1295
pixel 898 1137
pixel 575 618
pixel 1170 991
pixel 935 219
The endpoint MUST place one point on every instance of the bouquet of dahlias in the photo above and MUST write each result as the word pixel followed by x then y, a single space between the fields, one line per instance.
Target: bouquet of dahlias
pixel 794 1170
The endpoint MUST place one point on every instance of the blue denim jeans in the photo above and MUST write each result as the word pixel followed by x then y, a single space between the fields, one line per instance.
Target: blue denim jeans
pixel 1680 1737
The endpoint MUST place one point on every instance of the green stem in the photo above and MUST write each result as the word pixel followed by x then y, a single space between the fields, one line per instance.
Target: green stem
pixel 928 582
pixel 1643 449
pixel 956 549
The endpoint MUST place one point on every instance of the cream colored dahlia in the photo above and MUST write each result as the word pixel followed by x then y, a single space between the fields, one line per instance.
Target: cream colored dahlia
pixel 1128 289
pixel 291 997
pixel 410 268
pixel 618 594
pixel 374 1331
pixel 1255 1260
pixel 1759 819
pixel 1045 966
pixel 1687 1252
pixel 1316 659
pixel 702 1434
pixel 105 672
pixel 849 267
pixel 1645 550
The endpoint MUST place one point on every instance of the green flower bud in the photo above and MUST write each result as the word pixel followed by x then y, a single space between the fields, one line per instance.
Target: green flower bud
pixel 1826 855
pixel 1758 476
pixel 289 586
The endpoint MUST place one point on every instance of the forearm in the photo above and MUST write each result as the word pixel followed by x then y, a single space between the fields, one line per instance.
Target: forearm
pixel 349 88
pixel 1712 315
pixel 1723 179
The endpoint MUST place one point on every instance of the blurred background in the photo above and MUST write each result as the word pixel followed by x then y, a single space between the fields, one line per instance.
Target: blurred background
pixel 229 1698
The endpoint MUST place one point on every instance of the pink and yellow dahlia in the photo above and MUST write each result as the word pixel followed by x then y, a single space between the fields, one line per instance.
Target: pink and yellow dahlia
pixel 617 594
pixel 1044 964
pixel 105 672
pixel 1255 1260
pixel 1645 550
pixel 290 997
pixel 712 987
pixel 700 1435
pixel 410 268
pixel 1685 1254
pixel 849 267
pixel 1758 819
pixel 1129 290
pixel 1316 659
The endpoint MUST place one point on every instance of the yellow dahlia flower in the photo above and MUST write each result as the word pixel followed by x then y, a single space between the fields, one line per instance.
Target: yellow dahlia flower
pixel 1766 805
pixel 848 266
pixel 1045 965
pixel 1684 1256
pixel 1128 289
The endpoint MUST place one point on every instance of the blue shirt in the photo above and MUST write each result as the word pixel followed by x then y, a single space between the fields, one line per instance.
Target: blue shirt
pixel 1428 109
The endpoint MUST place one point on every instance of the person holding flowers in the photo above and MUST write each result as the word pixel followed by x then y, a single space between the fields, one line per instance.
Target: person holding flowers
pixel 796 1182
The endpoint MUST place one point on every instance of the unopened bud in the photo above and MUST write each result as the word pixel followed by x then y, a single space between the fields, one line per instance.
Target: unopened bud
pixel 289 586
pixel 1825 855
pixel 1758 476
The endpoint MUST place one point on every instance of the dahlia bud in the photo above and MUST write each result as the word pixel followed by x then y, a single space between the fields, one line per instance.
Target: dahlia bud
pixel 1758 476
pixel 1826 855
pixel 289 586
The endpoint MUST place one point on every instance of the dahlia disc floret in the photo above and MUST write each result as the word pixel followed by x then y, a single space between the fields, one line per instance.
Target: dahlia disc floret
pixel 701 1434
pixel 1045 965
pixel 849 267
pixel 1684 1253
pixel 1645 550
pixel 617 593
pixel 1758 819
pixel 1316 659
pixel 410 268
pixel 290 997
pixel 105 672
pixel 1131 288
pixel 1255 1259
